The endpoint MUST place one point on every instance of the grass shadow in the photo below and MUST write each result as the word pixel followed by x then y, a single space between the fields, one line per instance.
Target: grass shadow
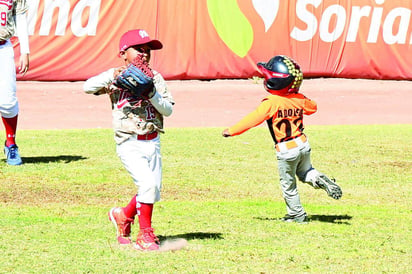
pixel 193 236
pixel 50 159
pixel 335 219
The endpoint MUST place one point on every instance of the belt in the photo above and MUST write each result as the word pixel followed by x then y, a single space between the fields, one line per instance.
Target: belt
pixel 147 137
pixel 2 42
pixel 284 146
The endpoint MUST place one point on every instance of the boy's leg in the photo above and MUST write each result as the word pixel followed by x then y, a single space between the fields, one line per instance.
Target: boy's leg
pixel 316 179
pixel 142 160
pixel 9 107
pixel 10 125
pixel 146 239
pixel 287 171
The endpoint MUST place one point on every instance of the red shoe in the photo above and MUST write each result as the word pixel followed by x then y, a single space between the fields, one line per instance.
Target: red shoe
pixel 146 240
pixel 122 224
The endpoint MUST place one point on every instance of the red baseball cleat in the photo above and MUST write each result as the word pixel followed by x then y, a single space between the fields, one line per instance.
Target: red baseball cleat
pixel 122 224
pixel 147 240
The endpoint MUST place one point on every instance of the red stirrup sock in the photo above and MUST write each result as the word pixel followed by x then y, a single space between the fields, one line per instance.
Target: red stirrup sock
pixel 130 210
pixel 145 215
pixel 10 125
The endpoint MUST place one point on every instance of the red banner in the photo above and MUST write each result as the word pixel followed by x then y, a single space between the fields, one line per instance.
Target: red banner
pixel 208 39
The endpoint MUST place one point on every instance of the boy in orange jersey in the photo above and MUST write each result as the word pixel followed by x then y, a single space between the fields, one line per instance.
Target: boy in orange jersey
pixel 283 110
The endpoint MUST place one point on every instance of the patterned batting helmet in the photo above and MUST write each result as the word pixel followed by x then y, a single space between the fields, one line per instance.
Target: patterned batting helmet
pixel 282 74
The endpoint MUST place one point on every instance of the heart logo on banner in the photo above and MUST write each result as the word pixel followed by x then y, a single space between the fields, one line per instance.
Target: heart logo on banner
pixel 267 10
pixel 231 25
pixel 234 28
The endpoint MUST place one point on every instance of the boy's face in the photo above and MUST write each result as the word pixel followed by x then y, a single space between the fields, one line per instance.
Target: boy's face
pixel 132 52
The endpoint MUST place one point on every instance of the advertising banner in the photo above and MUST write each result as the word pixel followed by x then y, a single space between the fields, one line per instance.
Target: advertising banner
pixel 209 39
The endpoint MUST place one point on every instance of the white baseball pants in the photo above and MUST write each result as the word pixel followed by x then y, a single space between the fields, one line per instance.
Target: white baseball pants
pixel 9 106
pixel 143 161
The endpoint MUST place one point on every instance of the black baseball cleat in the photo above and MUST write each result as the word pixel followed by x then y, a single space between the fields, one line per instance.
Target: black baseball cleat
pixel 329 186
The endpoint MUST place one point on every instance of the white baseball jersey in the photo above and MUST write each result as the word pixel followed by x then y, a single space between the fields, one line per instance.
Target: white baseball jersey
pixel 8 11
pixel 130 115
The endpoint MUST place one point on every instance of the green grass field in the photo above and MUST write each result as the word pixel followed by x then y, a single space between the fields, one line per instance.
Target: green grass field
pixel 221 195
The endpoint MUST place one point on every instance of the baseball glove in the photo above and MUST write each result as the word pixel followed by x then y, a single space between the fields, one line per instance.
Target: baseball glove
pixel 137 78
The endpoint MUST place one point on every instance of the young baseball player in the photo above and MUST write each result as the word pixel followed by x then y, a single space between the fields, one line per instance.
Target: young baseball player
pixel 137 124
pixel 283 111
pixel 13 20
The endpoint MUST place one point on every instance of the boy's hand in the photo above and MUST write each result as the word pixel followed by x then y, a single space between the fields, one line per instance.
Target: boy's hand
pixel 118 71
pixel 226 133
pixel 24 63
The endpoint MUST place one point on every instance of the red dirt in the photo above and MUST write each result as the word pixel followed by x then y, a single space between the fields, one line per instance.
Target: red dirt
pixel 219 103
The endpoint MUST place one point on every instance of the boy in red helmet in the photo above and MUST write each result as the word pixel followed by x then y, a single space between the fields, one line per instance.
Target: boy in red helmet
pixel 283 110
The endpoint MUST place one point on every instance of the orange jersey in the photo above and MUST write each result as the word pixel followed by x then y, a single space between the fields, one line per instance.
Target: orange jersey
pixel 284 115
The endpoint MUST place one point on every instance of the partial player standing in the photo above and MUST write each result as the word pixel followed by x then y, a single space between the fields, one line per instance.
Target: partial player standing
pixel 283 110
pixel 13 21
pixel 137 123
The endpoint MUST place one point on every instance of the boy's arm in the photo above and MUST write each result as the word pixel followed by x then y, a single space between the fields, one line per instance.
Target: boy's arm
pixel 310 107
pixel 162 105
pixel 162 99
pixel 23 35
pixel 100 83
pixel 256 117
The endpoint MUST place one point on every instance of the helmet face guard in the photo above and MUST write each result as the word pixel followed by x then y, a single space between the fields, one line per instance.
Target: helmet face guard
pixel 282 75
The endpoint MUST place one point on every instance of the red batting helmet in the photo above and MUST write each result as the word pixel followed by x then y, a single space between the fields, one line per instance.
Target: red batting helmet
pixel 282 74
